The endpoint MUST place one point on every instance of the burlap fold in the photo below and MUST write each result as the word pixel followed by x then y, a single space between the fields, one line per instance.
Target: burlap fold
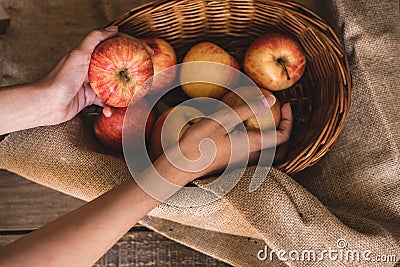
pixel 350 198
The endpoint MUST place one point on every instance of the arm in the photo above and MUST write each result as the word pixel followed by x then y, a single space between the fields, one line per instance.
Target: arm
pixel 28 106
pixel 80 237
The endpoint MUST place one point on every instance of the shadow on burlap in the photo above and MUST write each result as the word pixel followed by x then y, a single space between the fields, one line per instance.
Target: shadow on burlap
pixel 352 194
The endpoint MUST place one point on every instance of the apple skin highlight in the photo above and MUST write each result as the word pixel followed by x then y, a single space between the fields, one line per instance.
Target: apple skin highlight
pixel 164 60
pixel 275 61
pixel 118 70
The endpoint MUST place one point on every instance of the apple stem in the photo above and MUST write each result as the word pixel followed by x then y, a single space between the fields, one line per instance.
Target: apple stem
pixel 124 74
pixel 282 63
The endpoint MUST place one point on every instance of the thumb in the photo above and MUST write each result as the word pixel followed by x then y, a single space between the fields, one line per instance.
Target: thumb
pixel 108 111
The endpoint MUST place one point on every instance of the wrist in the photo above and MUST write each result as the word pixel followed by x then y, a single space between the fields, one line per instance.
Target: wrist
pixel 162 180
pixel 172 173
pixel 44 106
pixel 50 103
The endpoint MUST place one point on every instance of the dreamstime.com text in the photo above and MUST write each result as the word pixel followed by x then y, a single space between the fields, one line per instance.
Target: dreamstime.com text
pixel 339 253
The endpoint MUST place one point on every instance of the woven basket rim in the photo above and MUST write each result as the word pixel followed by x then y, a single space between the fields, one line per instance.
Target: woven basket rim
pixel 313 152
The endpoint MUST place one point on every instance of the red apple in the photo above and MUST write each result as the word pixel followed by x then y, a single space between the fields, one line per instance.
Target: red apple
pixel 164 57
pixel 263 122
pixel 118 70
pixel 275 61
pixel 109 129
pixel 216 77
pixel 175 128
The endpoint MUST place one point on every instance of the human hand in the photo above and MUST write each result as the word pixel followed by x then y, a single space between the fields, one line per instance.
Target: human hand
pixel 207 147
pixel 67 87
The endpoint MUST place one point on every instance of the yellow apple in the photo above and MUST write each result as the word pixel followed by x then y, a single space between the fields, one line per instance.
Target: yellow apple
pixel 208 80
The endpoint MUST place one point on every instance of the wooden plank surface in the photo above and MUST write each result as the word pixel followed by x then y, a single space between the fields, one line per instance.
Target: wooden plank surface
pixel 4 20
pixel 146 248
pixel 25 206
pixel 150 249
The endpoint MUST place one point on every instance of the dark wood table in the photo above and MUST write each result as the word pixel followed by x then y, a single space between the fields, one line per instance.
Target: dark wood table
pixel 25 206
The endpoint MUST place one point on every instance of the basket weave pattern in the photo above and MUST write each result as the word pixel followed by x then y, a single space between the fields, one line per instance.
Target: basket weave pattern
pixel 320 100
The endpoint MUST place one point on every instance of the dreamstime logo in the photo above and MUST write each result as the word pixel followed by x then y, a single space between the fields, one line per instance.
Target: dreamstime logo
pixel 340 253
pixel 341 243
pixel 160 188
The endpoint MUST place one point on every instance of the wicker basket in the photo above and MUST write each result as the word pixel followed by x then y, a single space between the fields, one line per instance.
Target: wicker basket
pixel 320 100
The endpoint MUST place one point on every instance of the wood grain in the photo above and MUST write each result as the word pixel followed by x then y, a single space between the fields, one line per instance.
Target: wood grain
pixel 145 248
pixel 25 206
pixel 7 239
pixel 151 249
pixel 4 20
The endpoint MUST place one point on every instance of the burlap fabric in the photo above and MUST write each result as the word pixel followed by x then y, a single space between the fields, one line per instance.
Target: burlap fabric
pixel 352 194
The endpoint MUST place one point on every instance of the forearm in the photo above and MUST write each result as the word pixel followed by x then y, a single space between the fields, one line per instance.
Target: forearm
pixel 80 237
pixel 23 107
